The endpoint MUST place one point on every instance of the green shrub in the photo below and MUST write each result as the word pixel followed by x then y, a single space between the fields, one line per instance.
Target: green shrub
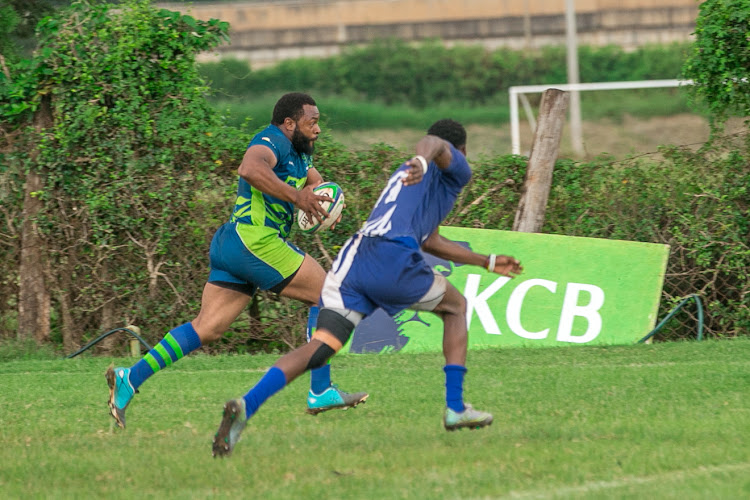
pixel 393 72
pixel 139 170
pixel 719 61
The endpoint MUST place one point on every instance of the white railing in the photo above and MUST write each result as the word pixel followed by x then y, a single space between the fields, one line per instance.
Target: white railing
pixel 520 91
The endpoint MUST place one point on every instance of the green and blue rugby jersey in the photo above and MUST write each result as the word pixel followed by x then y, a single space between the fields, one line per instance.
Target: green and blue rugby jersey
pixel 260 209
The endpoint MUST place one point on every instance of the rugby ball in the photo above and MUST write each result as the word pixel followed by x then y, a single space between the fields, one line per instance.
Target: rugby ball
pixel 332 190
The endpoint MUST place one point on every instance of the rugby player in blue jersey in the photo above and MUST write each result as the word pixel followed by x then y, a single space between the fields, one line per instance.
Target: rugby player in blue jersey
pixel 251 252
pixel 381 266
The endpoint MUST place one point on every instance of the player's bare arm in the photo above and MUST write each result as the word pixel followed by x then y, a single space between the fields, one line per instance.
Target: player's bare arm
pixel 444 248
pixel 429 148
pixel 257 169
pixel 313 178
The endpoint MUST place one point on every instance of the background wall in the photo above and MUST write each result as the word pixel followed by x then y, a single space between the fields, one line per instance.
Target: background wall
pixel 266 32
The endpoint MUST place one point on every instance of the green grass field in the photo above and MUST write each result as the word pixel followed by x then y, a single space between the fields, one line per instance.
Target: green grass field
pixel 644 421
pixel 345 114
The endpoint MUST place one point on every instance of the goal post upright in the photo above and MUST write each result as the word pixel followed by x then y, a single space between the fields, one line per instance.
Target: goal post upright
pixel 517 90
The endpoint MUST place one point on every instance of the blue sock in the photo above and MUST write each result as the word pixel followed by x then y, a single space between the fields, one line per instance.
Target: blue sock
pixel 175 345
pixel 320 378
pixel 454 387
pixel 272 382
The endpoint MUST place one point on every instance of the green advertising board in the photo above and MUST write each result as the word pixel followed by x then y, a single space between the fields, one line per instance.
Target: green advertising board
pixel 572 291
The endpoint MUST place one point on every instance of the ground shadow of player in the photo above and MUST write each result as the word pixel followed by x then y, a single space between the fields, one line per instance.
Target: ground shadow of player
pixel 379 332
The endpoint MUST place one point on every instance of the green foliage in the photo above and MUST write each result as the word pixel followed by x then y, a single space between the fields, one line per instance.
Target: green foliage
pixel 719 63
pixel 27 350
pixel 132 158
pixel 18 19
pixel 341 114
pixel 139 168
pixel 9 20
pixel 344 114
pixel 696 202
pixel 394 72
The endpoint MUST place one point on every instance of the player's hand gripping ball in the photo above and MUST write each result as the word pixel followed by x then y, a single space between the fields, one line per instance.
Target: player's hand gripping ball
pixel 332 190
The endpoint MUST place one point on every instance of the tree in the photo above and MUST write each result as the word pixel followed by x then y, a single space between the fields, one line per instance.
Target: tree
pixel 108 128
pixel 719 63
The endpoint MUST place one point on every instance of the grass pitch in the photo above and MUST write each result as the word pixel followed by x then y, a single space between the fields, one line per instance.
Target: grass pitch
pixel 645 421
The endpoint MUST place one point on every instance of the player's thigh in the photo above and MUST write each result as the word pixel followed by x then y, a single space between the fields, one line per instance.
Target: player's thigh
pixel 434 295
pixel 219 308
pixel 307 282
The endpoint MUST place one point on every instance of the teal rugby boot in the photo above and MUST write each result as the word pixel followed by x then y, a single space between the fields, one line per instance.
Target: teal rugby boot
pixel 333 398
pixel 232 424
pixel 471 418
pixel 121 392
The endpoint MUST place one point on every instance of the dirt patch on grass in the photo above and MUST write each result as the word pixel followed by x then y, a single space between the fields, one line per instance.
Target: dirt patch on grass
pixel 630 136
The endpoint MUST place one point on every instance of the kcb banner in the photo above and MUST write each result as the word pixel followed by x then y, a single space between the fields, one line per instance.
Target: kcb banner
pixel 572 291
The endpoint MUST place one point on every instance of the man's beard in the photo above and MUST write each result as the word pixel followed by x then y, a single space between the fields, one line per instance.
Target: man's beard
pixel 302 144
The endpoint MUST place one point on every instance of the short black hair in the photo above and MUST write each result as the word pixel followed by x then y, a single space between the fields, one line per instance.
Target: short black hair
pixel 290 106
pixel 449 130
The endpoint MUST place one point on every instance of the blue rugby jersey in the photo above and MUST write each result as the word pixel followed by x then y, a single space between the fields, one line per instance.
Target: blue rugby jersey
pixel 416 211
pixel 260 209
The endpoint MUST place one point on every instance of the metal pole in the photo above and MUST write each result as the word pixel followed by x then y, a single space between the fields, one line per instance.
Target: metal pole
pixel 571 38
pixel 515 128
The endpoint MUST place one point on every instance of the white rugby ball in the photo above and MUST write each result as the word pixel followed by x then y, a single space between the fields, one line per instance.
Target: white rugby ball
pixel 332 190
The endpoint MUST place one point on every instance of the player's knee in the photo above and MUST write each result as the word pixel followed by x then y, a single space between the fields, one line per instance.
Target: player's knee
pixel 207 333
pixel 333 329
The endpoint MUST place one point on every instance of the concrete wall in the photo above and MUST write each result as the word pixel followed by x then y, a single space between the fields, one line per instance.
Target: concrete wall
pixel 266 32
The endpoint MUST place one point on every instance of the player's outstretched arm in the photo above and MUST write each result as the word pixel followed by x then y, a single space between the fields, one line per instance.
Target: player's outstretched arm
pixel 450 250
pixel 433 148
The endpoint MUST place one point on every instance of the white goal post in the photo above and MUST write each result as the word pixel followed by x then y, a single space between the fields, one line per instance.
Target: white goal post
pixel 520 91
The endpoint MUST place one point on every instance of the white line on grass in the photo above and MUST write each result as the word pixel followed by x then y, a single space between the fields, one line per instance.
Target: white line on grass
pixel 657 364
pixel 595 486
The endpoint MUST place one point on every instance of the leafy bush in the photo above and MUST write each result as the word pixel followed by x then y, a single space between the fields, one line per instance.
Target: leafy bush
pixel 138 172
pixel 394 72
pixel 719 62
pixel 132 159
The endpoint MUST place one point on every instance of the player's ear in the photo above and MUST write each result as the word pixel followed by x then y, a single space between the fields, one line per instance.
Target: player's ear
pixel 289 124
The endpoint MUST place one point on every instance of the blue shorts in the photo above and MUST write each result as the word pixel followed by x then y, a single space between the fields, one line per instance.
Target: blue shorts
pixel 372 272
pixel 252 257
